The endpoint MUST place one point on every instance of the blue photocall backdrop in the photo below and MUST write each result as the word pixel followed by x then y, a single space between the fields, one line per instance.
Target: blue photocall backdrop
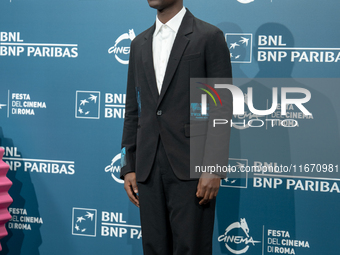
pixel 63 70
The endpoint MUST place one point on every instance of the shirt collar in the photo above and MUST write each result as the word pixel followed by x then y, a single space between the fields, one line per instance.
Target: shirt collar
pixel 174 23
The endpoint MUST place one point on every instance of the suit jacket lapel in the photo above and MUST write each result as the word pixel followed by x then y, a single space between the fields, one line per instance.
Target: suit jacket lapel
pixel 178 48
pixel 148 62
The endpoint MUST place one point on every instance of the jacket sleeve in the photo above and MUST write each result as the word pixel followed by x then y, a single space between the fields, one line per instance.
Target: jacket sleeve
pixel 128 153
pixel 218 65
pixel 217 56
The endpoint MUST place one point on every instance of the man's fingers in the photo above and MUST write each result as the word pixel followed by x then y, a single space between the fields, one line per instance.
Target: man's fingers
pixel 134 187
pixel 205 199
pixel 130 186
pixel 213 192
pixel 200 190
pixel 206 192
pixel 198 193
pixel 132 196
pixel 212 195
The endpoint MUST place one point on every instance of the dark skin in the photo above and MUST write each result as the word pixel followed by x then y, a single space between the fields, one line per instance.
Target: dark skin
pixel 166 9
pixel 208 184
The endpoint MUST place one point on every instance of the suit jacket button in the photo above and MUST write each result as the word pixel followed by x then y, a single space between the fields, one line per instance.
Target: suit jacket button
pixel 159 113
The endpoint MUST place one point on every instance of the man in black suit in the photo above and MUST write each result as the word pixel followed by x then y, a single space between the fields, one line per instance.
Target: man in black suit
pixel 177 212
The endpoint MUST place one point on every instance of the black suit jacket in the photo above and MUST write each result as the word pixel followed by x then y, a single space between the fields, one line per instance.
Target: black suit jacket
pixel 199 50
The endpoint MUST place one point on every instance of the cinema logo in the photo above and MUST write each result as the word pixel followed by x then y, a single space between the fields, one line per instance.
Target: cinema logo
pixel 236 237
pixel 245 1
pixel 88 105
pixel 281 242
pixel 248 1
pixel 112 224
pixel 21 104
pixel 21 220
pixel 122 52
pixel 12 45
pixel 16 163
pixel 114 168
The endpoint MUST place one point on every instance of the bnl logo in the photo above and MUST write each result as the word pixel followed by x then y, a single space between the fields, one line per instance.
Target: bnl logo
pixel 236 178
pixel 238 100
pixel 240 47
pixel 84 221
pixel 87 104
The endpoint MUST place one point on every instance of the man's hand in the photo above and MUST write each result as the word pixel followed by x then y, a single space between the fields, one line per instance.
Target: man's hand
pixel 207 187
pixel 130 186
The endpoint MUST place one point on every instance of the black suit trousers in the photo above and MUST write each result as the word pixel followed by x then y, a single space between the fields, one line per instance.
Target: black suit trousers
pixel 173 223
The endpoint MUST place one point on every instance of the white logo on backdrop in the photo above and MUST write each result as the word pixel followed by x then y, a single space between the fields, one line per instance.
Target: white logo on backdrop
pixel 245 1
pixel 84 221
pixel 248 1
pixel 236 178
pixel 240 47
pixel 87 104
pixel 114 168
pixel 227 238
pixel 122 50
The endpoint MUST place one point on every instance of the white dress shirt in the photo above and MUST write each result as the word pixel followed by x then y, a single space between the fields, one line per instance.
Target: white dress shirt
pixel 163 39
